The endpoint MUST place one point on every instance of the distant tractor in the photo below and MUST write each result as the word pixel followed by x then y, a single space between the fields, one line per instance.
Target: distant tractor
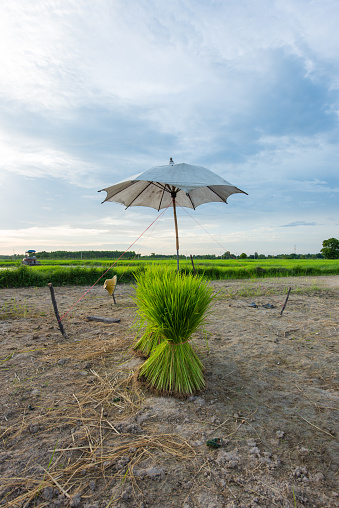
pixel 30 258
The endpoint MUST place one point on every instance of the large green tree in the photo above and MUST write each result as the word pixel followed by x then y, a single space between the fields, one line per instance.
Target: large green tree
pixel 330 248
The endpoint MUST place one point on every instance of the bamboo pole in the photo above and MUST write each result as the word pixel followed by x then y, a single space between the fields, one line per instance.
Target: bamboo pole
pixel 176 227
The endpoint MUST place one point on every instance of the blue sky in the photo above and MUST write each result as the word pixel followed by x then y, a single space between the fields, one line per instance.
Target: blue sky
pixel 92 91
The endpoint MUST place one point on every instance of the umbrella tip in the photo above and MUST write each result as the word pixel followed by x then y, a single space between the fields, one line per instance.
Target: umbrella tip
pixel 171 162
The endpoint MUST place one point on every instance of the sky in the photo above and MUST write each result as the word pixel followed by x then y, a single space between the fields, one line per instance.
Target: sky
pixel 93 91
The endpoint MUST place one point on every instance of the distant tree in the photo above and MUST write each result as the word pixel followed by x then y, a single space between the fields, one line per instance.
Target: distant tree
pixel 330 248
pixel 227 255
pixel 243 255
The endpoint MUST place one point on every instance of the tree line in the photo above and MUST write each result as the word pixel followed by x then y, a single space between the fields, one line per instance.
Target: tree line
pixel 86 254
pixel 330 250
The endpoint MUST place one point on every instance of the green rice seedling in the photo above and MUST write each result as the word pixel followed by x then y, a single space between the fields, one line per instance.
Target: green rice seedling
pixel 151 335
pixel 148 341
pixel 173 305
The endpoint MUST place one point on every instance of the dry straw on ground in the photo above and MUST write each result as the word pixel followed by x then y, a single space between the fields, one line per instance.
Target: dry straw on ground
pixel 91 451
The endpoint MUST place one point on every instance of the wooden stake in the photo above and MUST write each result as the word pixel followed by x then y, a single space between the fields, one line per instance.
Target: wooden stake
pixel 193 265
pixel 55 307
pixel 288 294
pixel 103 319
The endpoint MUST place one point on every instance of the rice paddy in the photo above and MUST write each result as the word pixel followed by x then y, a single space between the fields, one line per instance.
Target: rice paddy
pixel 90 271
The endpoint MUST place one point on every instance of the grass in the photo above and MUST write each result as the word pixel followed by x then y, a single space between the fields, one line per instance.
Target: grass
pixel 26 276
pixel 87 272
pixel 13 309
pixel 256 289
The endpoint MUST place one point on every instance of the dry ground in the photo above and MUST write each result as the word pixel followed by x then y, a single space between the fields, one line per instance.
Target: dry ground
pixel 77 428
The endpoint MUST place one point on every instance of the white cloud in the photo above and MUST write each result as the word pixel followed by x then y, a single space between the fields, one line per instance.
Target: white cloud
pixel 64 53
pixel 91 92
pixel 34 160
pixel 48 233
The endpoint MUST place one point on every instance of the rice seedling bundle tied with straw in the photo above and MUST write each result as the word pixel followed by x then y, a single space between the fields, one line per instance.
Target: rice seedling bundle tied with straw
pixel 171 306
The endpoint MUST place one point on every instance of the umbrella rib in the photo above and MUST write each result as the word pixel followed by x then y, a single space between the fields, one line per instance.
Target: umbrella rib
pixel 158 184
pixel 162 195
pixel 136 197
pixel 222 199
pixel 189 197
pixel 164 189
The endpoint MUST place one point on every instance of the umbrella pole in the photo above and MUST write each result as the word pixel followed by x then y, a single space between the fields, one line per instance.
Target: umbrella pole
pixel 176 230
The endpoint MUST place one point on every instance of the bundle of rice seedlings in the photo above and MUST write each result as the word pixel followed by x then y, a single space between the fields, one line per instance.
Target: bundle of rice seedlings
pixel 173 305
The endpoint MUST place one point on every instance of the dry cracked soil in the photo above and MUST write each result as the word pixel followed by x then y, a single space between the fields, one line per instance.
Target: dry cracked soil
pixel 79 429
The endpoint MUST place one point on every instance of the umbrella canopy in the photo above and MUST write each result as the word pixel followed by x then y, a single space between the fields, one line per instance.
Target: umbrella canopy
pixel 192 186
pixel 171 185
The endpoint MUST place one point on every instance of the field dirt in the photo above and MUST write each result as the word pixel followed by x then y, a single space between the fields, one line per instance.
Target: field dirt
pixel 78 429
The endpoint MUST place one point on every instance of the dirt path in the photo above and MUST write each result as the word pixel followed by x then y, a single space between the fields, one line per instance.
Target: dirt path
pixel 77 429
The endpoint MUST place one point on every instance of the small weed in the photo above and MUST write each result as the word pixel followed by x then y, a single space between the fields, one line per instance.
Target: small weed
pixel 310 290
pixel 249 291
pixel 16 378
pixel 7 358
pixel 51 459
pixel 295 502
pixel 13 309
pixel 49 465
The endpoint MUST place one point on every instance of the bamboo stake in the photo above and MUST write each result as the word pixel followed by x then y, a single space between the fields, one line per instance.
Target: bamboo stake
pixel 173 194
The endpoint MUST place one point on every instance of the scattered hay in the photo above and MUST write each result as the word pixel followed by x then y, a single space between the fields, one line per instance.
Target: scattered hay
pixel 93 450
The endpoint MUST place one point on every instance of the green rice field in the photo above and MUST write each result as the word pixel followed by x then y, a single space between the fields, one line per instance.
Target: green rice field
pixel 87 272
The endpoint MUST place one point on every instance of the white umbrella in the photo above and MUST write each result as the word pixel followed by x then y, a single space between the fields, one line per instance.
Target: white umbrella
pixel 170 185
